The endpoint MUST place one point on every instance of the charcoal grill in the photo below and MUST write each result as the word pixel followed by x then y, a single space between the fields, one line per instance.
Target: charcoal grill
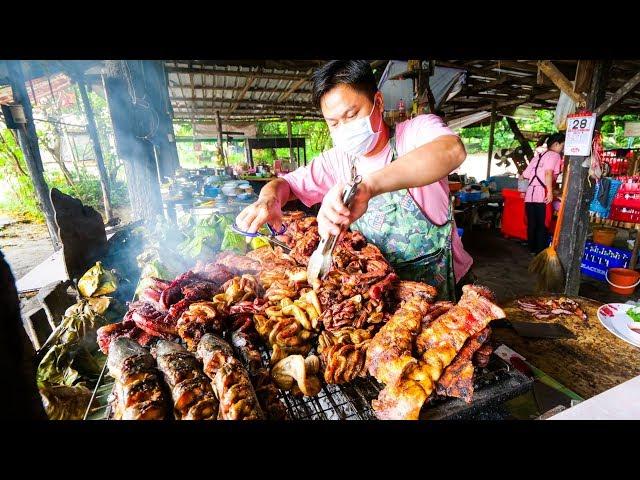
pixel 494 384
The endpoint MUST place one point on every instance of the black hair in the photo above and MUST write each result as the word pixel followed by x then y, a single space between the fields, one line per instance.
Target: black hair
pixel 355 73
pixel 555 138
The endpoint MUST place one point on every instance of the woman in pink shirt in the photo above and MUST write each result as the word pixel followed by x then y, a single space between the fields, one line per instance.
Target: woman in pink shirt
pixel 402 205
pixel 542 172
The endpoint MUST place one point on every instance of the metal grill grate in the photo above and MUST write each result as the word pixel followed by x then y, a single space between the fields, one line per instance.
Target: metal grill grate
pixel 495 383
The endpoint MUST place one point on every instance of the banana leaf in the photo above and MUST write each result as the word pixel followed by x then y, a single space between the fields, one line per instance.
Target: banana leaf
pixel 97 281
pixel 63 402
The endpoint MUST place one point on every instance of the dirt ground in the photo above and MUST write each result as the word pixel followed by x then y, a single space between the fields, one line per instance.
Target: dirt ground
pixel 26 244
pixel 501 264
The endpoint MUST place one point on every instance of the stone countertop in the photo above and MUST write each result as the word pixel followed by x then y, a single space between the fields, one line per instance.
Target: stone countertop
pixel 595 361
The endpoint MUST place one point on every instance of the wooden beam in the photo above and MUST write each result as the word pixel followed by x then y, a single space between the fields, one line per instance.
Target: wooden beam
pixel 209 88
pixel 482 86
pixel 575 222
pixel 249 101
pixel 558 78
pixel 621 93
pixel 295 86
pixel 242 93
pixel 477 71
pixel 514 65
pixel 584 72
pixel 260 73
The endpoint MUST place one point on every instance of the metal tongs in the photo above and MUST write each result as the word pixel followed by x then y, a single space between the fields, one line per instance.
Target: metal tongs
pixel 270 238
pixel 321 259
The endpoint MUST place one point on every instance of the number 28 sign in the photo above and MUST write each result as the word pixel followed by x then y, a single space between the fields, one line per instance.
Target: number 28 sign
pixel 579 134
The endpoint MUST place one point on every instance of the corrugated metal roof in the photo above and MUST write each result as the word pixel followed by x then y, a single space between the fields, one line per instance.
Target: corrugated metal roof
pixel 240 91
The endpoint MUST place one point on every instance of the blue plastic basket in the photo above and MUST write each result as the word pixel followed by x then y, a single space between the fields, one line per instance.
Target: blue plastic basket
pixel 470 196
pixel 596 207
pixel 597 259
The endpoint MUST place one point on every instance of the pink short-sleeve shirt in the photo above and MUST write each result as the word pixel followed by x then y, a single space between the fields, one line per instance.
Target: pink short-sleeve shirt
pixel 538 166
pixel 311 183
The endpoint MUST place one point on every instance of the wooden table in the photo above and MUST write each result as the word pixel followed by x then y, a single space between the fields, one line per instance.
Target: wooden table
pixel 595 361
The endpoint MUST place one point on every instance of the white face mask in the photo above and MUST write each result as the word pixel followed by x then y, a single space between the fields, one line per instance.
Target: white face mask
pixel 357 137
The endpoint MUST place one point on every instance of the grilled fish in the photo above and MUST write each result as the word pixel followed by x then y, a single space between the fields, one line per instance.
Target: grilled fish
pixel 137 388
pixel 193 397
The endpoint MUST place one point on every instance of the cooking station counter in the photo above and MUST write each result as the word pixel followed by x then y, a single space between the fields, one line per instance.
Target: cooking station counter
pixel 594 361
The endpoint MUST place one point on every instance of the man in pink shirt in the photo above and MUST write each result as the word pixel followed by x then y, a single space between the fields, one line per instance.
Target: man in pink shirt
pixel 542 172
pixel 402 205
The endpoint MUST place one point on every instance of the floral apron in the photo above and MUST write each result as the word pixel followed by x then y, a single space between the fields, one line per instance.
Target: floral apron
pixel 418 249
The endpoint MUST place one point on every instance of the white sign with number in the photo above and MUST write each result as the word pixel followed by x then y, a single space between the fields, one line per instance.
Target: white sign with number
pixel 579 135
pixel 632 129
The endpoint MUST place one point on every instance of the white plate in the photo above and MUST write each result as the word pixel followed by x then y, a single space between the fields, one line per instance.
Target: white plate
pixel 614 318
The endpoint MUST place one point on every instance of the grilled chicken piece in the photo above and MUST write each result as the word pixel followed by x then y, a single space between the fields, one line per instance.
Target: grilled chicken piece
pixel 457 379
pixel 230 380
pixel 193 397
pixel 137 388
pixel 436 346
pixel 390 351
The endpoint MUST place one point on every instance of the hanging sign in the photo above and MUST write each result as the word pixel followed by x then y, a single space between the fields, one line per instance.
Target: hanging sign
pixel 579 134
pixel 632 129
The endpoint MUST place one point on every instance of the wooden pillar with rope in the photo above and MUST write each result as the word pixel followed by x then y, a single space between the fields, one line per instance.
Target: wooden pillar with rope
pixel 124 86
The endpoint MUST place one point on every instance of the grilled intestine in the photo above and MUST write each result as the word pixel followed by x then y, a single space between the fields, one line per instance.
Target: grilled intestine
pixel 193 397
pixel 230 380
pixel 137 388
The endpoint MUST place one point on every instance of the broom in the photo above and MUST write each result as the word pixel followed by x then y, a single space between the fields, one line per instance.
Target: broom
pixel 546 265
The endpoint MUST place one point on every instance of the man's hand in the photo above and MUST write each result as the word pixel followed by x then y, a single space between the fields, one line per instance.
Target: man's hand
pixel 266 209
pixel 334 216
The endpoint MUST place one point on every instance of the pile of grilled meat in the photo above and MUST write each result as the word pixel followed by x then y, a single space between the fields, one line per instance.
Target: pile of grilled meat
pixel 360 320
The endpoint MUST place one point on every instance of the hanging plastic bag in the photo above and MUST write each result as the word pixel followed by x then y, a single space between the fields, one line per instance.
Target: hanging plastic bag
pixel 565 107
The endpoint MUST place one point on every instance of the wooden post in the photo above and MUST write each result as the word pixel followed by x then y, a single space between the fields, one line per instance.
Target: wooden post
pixel 122 79
pixel 220 149
pixel 491 134
pixel 28 140
pixel 289 137
pixel 248 153
pixel 575 223
pixel 97 150
pixel 163 137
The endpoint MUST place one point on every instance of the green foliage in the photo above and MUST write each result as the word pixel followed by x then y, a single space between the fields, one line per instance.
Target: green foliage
pixel 316 132
pixel 612 130
pixel 476 139
pixel 18 196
